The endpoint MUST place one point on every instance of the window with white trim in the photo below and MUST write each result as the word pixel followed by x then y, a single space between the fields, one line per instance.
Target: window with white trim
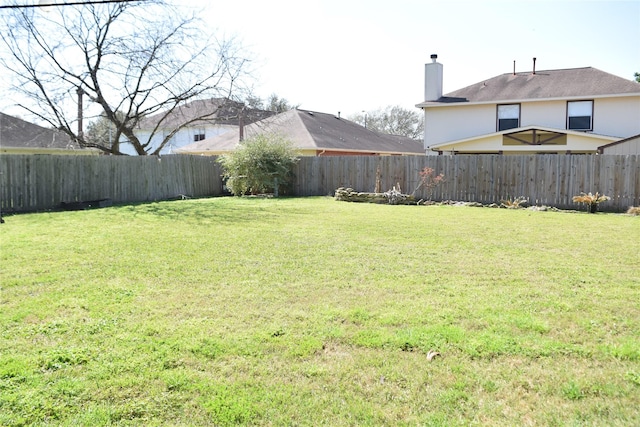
pixel 580 115
pixel 508 116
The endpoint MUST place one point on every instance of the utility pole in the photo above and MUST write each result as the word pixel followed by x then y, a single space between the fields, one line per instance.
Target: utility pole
pixel 241 124
pixel 80 92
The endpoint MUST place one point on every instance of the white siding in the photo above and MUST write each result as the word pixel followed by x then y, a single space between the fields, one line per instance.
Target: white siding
pixel 631 146
pixel 548 114
pixel 617 116
pixel 451 123
pixel 180 139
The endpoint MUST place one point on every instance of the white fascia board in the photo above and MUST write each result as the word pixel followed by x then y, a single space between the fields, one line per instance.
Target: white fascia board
pixel 435 104
pixel 368 152
pixel 524 129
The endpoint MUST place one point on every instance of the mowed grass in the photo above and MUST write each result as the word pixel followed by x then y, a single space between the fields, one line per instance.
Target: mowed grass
pixel 314 312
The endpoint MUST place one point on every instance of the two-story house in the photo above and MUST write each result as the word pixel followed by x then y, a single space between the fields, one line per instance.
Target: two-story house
pixel 192 122
pixel 573 110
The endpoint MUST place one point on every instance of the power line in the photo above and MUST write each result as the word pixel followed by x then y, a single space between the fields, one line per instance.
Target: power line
pixel 85 2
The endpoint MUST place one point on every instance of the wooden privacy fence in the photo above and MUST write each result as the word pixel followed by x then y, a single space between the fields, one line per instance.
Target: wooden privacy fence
pixel 40 182
pixel 550 180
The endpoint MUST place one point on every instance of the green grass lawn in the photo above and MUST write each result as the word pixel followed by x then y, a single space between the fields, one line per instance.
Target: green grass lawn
pixel 315 312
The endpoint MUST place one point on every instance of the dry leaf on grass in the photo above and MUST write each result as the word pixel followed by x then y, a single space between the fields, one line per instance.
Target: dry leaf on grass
pixel 431 354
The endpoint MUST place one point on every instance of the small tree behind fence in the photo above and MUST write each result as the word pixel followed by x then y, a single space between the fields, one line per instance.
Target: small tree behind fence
pixel 40 182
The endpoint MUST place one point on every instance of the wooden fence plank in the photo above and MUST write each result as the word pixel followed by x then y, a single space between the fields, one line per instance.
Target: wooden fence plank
pixel 30 183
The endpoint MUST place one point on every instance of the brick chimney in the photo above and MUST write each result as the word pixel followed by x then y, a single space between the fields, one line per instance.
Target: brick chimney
pixel 433 80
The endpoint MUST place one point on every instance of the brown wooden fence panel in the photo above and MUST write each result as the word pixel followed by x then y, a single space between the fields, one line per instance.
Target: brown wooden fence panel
pixel 40 182
pixel 550 180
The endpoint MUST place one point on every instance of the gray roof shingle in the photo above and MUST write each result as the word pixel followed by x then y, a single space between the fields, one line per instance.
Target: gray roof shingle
pixel 310 130
pixel 18 133
pixel 547 84
pixel 215 110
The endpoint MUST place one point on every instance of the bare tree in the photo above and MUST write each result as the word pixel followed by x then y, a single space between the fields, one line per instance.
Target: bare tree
pixel 121 62
pixel 393 120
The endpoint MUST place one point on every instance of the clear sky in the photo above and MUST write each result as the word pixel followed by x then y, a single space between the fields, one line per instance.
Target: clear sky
pixel 354 55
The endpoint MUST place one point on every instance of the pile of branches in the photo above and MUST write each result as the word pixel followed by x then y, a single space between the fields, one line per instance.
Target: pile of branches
pixel 392 197
pixel 397 197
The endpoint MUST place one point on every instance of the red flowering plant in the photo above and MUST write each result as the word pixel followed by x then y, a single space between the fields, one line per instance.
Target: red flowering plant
pixel 429 181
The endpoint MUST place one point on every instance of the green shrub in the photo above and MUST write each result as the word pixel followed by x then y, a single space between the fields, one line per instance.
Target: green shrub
pixel 261 164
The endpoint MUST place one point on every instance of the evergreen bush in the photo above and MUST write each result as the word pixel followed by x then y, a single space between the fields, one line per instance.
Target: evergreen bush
pixel 261 164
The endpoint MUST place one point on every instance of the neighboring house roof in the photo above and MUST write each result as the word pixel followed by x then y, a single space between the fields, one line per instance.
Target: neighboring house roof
pixel 629 145
pixel 19 135
pixel 310 130
pixel 570 83
pixel 217 111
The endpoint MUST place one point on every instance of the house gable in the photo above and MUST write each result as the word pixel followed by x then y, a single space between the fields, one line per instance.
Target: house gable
pixel 529 139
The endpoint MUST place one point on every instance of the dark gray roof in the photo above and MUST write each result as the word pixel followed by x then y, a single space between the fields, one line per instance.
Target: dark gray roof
pixel 310 130
pixel 216 110
pixel 331 132
pixel 18 133
pixel 547 84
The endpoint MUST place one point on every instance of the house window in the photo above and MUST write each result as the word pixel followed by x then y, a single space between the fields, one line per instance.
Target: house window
pixel 580 115
pixel 508 116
